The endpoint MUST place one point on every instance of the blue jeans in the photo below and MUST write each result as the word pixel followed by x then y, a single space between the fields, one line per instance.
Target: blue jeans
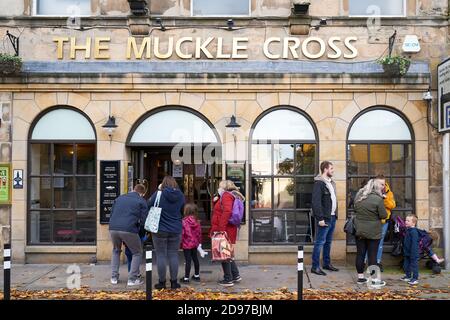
pixel 324 237
pixel 411 265
pixel 380 246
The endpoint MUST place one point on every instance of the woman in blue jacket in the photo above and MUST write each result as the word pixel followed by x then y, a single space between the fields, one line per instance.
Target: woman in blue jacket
pixel 167 239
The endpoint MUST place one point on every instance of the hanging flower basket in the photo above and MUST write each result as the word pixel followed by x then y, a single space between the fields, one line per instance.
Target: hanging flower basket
pixel 395 66
pixel 10 64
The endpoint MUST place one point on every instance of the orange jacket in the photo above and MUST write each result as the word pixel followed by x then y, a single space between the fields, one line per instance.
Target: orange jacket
pixel 389 203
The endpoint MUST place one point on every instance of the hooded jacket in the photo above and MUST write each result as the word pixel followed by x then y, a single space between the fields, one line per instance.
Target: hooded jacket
pixel 171 204
pixel 369 213
pixel 191 236
pixel 128 213
pixel 389 203
pixel 321 199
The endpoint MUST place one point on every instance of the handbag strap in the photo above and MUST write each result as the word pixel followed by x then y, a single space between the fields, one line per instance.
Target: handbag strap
pixel 158 198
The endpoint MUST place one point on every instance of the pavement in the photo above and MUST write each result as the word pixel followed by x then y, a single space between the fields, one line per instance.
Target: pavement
pixel 258 278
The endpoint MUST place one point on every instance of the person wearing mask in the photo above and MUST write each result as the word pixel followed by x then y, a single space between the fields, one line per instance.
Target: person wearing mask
pixel 325 211
pixel 128 213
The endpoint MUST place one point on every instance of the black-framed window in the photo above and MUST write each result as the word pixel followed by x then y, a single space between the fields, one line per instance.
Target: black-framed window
pixel 62 193
pixel 390 152
pixel 282 177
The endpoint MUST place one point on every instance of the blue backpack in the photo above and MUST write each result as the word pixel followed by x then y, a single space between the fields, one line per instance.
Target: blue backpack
pixel 237 212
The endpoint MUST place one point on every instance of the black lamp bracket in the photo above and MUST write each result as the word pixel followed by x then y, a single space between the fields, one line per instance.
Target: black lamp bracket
pixel 14 41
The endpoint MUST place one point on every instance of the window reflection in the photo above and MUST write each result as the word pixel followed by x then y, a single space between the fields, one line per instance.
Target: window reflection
pixel 261 193
pixel 283 157
pixel 283 193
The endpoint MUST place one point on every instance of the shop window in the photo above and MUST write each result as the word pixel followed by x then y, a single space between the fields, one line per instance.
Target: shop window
pixel 383 8
pixel 220 8
pixel 68 8
pixel 62 182
pixel 283 166
pixel 384 147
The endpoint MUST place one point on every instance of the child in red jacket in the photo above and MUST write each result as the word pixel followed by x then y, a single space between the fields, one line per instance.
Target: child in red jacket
pixel 191 239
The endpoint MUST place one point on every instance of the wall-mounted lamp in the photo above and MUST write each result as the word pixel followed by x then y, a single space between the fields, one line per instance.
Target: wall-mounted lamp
pixel 160 23
pixel 323 22
pixel 233 123
pixel 428 98
pixel 230 24
pixel 110 126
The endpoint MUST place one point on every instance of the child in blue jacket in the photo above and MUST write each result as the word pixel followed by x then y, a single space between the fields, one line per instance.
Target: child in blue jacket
pixel 411 251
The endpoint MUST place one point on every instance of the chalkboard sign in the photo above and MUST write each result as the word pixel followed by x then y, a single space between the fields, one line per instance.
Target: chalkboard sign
pixel 109 188
pixel 236 173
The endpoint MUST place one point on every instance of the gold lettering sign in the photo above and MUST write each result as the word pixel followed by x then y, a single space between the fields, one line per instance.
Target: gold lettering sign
pixel 273 48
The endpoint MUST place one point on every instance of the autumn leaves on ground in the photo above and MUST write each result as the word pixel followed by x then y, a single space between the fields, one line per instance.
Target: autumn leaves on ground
pixel 191 294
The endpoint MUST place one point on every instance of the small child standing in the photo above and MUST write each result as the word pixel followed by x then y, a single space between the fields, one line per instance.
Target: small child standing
pixel 411 251
pixel 191 239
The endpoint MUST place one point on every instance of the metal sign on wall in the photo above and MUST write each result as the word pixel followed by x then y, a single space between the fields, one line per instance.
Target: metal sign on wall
pixel 444 96
pixel 109 188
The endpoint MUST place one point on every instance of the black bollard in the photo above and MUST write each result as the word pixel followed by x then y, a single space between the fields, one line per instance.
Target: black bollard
pixel 7 271
pixel 300 273
pixel 148 271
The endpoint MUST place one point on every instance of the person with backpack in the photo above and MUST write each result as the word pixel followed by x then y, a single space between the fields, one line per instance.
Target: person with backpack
pixel 191 239
pixel 411 251
pixel 228 210
pixel 168 238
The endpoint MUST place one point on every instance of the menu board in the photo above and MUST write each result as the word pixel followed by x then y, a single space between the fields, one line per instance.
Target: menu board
pixel 236 173
pixel 109 188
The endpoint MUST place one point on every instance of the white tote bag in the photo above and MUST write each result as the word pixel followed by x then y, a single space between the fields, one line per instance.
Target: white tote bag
pixel 154 214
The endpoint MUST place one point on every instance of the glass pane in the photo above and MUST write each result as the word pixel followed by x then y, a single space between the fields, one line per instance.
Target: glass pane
pixel 63 159
pixel 283 193
pixel 369 127
pixel 261 227
pixel 63 191
pixel 284 227
pixel 85 226
pixel 305 158
pixel 379 159
pixel 63 226
pixel 376 7
pixel 63 124
pixel 283 125
pixel 261 193
pixel 261 159
pixel 304 228
pixel 354 184
pixel 40 227
pixel 86 194
pixel 402 159
pixel 358 159
pixel 40 193
pixel 304 190
pixel 85 158
pixel 403 192
pixel 283 158
pixel 40 159
pixel 220 7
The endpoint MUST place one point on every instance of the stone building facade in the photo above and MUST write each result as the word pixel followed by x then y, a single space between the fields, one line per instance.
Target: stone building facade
pixel 91 66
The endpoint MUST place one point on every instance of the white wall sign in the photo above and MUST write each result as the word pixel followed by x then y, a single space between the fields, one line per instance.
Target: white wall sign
pixel 411 44
pixel 444 96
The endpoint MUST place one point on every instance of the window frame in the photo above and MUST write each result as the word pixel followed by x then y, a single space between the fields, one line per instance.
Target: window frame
pixel 390 176
pixel 273 210
pixel 222 15
pixel 403 15
pixel 35 13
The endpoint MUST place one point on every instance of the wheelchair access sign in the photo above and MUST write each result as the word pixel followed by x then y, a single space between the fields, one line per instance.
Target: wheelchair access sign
pixel 444 96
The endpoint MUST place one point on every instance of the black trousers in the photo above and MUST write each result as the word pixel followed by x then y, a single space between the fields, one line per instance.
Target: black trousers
pixel 363 247
pixel 191 254
pixel 230 270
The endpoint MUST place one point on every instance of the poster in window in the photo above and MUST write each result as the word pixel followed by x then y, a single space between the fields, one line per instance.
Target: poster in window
pixel 109 188
pixel 177 171
pixel 5 183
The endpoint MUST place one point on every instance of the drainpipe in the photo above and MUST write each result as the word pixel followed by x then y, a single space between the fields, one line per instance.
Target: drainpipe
pixel 446 196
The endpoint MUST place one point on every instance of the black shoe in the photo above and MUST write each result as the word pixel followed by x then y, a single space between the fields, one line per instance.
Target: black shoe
pixel 160 285
pixel 225 283
pixel 174 284
pixel 197 279
pixel 318 271
pixel 184 280
pixel 237 279
pixel 331 268
pixel 380 266
pixel 362 281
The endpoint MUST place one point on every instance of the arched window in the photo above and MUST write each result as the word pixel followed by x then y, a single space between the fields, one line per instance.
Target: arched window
pixel 62 179
pixel 284 160
pixel 380 141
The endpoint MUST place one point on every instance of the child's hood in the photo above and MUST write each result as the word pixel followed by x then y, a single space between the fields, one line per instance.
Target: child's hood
pixel 190 221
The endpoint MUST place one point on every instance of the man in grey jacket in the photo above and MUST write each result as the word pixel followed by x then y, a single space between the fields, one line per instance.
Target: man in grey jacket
pixel 128 213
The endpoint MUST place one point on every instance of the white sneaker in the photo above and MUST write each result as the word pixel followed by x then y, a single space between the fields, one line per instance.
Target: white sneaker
pixel 136 282
pixel 114 280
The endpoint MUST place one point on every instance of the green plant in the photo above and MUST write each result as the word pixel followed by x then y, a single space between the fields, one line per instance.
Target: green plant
pixel 9 63
pixel 400 64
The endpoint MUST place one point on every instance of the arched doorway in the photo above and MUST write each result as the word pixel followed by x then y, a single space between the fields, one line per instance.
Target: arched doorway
pixel 62 179
pixel 284 160
pixel 177 141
